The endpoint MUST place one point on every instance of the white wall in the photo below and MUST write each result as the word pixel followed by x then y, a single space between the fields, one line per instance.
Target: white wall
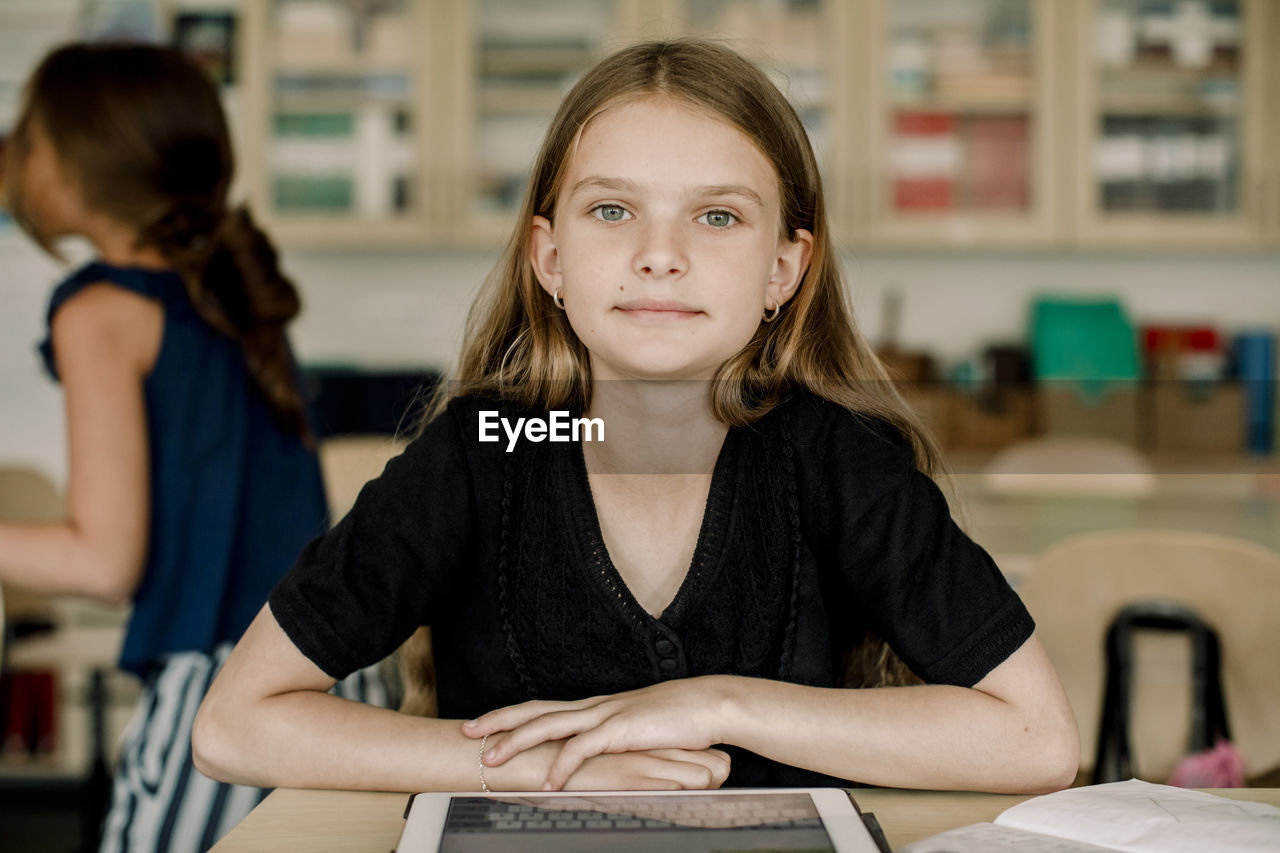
pixel 406 309
pixel 30 407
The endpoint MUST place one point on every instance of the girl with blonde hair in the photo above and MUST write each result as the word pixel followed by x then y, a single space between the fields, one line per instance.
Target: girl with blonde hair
pixel 720 591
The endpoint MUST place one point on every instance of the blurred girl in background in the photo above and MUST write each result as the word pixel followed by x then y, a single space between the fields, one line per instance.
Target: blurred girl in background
pixel 193 476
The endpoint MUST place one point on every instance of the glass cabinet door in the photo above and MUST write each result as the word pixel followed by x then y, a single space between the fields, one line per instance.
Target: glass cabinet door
pixel 1170 131
pixel 518 61
pixel 340 85
pixel 962 123
pixel 1271 96
pixel 790 40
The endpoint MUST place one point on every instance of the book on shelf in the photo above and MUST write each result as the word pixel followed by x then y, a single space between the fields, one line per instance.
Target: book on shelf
pixel 999 162
pixel 926 157
pixel 1132 816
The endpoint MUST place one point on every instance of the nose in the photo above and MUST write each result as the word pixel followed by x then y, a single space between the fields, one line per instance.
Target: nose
pixel 660 252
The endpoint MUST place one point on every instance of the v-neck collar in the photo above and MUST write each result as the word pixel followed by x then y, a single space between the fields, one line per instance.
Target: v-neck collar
pixel 717 514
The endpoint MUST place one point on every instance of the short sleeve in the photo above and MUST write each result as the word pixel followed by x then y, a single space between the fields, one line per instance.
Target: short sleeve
pixel 355 594
pixel 934 595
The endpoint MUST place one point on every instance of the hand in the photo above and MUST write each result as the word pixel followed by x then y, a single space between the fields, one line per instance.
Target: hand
pixel 680 714
pixel 646 770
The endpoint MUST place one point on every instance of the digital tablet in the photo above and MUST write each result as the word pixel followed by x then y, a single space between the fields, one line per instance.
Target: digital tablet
pixel 729 821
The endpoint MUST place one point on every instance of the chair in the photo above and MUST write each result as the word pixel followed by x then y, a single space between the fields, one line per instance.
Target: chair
pixel 1114 761
pixel 26 494
pixel 1076 589
pixel 1069 465
pixel 347 462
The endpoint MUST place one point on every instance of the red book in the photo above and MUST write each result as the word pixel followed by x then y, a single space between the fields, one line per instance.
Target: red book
pixel 925 159
pixel 999 162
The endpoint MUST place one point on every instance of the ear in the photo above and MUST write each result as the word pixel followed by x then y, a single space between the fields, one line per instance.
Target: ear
pixel 789 267
pixel 543 254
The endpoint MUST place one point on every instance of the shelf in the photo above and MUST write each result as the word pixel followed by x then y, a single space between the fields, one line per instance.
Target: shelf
pixel 520 100
pixel 89 647
pixel 1162 107
pixel 320 102
pixel 502 61
pixel 1163 71
pixel 995 105
pixel 352 67
pixel 42 768
pixel 345 230
pixel 396 85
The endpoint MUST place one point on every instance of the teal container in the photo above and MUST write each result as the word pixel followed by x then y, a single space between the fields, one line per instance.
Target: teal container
pixel 1088 344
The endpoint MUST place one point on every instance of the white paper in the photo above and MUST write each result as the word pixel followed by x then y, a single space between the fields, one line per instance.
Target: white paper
pixel 1143 817
pixel 989 838
pixel 1133 816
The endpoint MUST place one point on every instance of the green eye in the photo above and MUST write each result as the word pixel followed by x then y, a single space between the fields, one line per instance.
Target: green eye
pixel 611 213
pixel 718 218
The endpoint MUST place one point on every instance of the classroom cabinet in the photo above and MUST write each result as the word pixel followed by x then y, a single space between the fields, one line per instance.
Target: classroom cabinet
pixel 971 123
pixel 1170 122
pixel 1271 97
pixel 963 139
pixel 513 62
pixel 335 117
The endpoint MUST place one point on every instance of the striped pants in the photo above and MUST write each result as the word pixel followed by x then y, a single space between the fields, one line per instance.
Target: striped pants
pixel 159 801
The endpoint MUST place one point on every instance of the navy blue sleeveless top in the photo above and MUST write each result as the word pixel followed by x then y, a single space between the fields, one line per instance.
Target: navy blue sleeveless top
pixel 233 497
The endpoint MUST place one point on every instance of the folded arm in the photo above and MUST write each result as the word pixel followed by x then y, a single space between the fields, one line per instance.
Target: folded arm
pixel 1011 732
pixel 268 720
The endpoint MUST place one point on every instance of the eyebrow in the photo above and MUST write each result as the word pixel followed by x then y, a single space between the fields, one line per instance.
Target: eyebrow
pixel 623 185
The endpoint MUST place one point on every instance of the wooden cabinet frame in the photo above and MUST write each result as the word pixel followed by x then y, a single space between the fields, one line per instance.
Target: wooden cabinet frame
pixel 258 107
pixel 1063 115
pixel 1245 229
pixel 1038 226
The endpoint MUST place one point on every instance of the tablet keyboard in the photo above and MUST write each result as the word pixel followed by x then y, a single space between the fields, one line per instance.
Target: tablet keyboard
pixel 645 813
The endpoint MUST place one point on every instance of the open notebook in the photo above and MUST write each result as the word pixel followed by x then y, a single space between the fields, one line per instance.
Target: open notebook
pixel 1133 816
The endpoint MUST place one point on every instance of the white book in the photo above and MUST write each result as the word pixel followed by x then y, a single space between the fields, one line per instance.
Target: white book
pixel 1133 816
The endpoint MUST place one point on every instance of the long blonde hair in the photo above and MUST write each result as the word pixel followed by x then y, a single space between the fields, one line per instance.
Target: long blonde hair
pixel 519 346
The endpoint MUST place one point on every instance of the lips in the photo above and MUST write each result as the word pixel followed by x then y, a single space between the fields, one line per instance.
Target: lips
pixel 658 308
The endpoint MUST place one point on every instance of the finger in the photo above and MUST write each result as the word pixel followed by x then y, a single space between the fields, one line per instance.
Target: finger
pixel 576 750
pixel 716 761
pixel 719 763
pixel 687 774
pixel 694 775
pixel 553 726
pixel 505 719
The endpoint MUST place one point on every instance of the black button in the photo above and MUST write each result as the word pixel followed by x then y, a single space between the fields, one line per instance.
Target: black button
pixel 668 664
pixel 664 646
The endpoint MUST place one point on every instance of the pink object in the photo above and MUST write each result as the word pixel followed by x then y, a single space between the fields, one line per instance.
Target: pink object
pixel 1220 767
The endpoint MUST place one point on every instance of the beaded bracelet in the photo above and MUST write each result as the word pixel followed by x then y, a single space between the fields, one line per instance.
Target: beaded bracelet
pixel 484 786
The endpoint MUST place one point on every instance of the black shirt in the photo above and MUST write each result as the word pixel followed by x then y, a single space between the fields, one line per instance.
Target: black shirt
pixel 817 527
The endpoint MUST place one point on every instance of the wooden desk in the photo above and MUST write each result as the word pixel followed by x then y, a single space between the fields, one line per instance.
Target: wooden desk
pixel 347 821
pixel 1243 502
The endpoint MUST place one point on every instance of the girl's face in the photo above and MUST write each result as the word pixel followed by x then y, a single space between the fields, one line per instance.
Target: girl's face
pixel 666 245
pixel 50 199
